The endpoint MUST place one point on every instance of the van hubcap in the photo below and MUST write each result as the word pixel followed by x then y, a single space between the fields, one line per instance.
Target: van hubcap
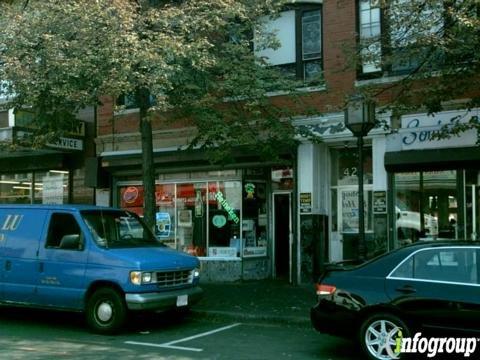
pixel 104 312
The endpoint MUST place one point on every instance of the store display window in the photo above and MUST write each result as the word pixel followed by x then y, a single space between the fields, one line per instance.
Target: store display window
pixel 204 218
pixel 425 206
pixel 39 187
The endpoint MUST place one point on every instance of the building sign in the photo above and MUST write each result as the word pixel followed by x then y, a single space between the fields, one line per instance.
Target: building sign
pixel 230 211
pixel 52 192
pixel 163 224
pixel 306 202
pixel 67 143
pixel 349 211
pixel 419 131
pixel 255 251
pixel 380 202
pixel 222 251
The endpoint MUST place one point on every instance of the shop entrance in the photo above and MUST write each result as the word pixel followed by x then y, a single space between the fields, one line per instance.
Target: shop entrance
pixel 282 235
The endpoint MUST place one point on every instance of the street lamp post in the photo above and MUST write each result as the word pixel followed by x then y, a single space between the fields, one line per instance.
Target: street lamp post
pixel 360 119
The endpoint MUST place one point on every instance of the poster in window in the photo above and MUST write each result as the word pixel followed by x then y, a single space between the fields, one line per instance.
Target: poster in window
pixel 185 218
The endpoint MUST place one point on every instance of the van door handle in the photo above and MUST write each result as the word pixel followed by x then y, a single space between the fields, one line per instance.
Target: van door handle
pixel 40 267
pixel 8 265
pixel 407 289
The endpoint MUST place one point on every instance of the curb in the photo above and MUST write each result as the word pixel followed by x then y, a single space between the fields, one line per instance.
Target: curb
pixel 302 321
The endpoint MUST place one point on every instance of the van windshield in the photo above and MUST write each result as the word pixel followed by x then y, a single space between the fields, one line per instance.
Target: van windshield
pixel 118 229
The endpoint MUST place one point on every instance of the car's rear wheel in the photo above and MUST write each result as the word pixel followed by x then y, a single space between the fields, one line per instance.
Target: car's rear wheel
pixel 379 334
pixel 106 311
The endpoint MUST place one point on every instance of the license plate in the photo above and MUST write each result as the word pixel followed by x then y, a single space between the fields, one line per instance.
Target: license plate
pixel 182 300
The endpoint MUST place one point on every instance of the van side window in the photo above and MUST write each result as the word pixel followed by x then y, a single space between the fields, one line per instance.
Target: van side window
pixel 64 232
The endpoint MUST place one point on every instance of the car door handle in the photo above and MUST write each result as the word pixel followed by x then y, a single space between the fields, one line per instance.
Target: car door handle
pixel 8 265
pixel 407 289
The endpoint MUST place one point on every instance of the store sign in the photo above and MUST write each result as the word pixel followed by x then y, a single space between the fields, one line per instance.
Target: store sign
pixel 306 202
pixel 130 194
pixel 222 251
pixel 255 251
pixel 420 131
pixel 380 202
pixel 219 221
pixel 67 143
pixel 231 212
pixel 164 224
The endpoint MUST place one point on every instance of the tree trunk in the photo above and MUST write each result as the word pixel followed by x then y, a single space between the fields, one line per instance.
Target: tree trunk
pixel 148 170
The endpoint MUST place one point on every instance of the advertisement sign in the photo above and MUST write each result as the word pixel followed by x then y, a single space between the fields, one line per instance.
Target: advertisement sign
pixel 163 224
pixel 52 192
pixel 380 202
pixel 306 202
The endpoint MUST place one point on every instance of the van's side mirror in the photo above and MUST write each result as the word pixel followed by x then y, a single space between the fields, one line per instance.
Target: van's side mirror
pixel 71 242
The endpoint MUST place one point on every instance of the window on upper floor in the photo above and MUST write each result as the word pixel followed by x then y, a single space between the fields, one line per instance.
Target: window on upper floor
pixel 399 38
pixel 298 31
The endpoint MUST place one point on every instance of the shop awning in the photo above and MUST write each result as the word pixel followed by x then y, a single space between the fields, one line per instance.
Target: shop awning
pixel 433 159
pixel 30 160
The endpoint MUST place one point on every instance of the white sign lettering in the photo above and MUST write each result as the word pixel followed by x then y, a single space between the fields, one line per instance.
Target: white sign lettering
pixel 67 143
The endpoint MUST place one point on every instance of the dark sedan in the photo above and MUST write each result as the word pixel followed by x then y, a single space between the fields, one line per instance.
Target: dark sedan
pixel 427 285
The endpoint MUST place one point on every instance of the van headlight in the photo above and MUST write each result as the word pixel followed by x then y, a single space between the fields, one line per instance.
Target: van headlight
pixel 146 278
pixel 139 278
pixel 196 273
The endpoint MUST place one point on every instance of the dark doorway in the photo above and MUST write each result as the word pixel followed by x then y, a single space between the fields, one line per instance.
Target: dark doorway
pixel 282 223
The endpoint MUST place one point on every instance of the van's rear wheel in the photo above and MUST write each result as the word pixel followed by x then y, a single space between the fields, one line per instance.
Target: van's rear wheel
pixel 106 311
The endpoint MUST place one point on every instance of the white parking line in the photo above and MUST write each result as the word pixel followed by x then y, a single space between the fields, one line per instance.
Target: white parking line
pixel 169 345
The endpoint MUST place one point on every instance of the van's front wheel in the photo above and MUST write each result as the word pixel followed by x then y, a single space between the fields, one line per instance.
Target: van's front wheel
pixel 106 311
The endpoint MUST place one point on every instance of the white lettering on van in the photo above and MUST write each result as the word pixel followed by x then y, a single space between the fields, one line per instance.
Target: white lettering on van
pixel 12 222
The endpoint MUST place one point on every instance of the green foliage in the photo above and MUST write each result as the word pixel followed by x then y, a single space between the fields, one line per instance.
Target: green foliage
pixel 433 46
pixel 193 56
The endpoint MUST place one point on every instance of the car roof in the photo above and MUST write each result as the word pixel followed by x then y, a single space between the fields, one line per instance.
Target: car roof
pixel 71 207
pixel 441 243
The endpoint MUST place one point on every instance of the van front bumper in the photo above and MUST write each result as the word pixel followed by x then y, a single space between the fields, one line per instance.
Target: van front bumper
pixel 162 300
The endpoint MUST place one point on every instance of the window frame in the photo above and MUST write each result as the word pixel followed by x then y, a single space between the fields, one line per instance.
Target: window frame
pixel 299 64
pixel 391 275
pixel 386 48
pixel 51 246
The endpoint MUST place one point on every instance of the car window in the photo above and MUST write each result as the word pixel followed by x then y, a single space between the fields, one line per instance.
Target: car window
pixel 405 270
pixel 452 265
pixel 64 232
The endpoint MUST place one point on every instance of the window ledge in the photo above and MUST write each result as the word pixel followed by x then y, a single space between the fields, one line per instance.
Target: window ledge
pixel 380 81
pixel 306 89
pixel 126 111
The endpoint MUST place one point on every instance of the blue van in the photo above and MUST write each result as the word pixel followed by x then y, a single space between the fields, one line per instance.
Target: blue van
pixel 101 261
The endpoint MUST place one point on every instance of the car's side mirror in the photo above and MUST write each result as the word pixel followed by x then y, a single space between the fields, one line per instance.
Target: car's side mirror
pixel 71 242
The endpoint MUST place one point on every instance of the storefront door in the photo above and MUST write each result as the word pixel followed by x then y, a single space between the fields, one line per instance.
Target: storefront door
pixel 282 235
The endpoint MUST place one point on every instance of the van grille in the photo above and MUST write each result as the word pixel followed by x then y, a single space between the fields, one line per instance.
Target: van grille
pixel 174 278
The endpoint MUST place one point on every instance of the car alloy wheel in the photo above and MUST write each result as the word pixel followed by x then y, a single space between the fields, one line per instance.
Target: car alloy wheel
pixel 378 334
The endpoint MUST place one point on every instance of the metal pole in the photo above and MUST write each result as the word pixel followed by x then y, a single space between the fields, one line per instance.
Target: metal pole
pixel 361 218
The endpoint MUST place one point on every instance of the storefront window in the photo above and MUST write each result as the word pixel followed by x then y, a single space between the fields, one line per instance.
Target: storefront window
pixel 40 187
pixel 472 206
pixel 203 218
pixel 51 187
pixel 425 206
pixel 224 204
pixel 16 189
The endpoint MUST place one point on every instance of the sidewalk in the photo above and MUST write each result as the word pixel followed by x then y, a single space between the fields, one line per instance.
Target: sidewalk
pixel 257 301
